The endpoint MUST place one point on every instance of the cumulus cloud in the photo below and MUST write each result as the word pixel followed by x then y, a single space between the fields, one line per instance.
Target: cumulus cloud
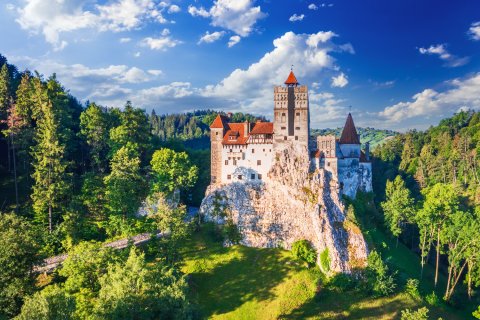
pixel 174 9
pixel 211 37
pixel 312 6
pixel 441 51
pixel 54 18
pixel 125 40
pixel 160 43
pixel 238 16
pixel 474 31
pixel 339 81
pixel 233 41
pixel 296 17
pixel 460 93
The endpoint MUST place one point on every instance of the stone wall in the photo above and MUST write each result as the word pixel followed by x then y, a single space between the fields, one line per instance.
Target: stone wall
pixel 292 204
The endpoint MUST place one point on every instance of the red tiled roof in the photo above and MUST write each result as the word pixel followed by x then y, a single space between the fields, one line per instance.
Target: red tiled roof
pixel 349 133
pixel 232 130
pixel 220 121
pixel 262 128
pixel 291 79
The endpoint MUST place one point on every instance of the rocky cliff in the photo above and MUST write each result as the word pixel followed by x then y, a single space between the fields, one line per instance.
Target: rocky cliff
pixel 291 204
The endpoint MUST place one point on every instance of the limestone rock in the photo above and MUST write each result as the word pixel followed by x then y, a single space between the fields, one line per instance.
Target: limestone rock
pixel 291 204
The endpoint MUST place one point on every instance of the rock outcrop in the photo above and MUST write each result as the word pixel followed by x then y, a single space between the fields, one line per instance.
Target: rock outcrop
pixel 291 204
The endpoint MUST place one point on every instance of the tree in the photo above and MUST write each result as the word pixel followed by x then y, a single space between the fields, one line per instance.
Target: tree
pixel 135 290
pixel 124 185
pixel 5 91
pixel 476 313
pixel 94 126
pixel 50 186
pixel 170 219
pixel 303 250
pixel 172 170
pixel 420 314
pixel 18 255
pixel 441 203
pixel 52 303
pixel 398 206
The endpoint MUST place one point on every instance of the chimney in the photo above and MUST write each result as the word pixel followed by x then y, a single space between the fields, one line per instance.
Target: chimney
pixel 246 128
pixel 367 151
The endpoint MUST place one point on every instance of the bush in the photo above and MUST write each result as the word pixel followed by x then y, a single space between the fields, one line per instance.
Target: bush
pixel 230 232
pixel 412 288
pixel 476 314
pixel 420 314
pixel 325 261
pixel 303 250
pixel 379 279
pixel 432 299
pixel 343 282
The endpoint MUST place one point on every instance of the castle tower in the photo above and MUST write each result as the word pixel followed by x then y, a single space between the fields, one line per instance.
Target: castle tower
pixel 350 140
pixel 217 131
pixel 291 114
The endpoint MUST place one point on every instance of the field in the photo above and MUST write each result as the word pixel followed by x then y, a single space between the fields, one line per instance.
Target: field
pixel 250 283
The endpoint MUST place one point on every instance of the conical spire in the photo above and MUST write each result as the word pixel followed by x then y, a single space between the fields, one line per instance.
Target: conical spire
pixel 349 133
pixel 291 80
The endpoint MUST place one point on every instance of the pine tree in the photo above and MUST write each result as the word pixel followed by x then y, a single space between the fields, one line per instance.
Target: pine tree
pixel 94 126
pixel 49 174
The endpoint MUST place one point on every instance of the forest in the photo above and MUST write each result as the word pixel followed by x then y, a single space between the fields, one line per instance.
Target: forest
pixel 73 177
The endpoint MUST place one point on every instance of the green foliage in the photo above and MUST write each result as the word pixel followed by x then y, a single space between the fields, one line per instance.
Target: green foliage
pixel 399 205
pixel 325 261
pixel 172 170
pixel 476 313
pixel 124 185
pixel 420 314
pixel 411 287
pixel 379 278
pixel 93 195
pixel 303 250
pixel 432 299
pixel 230 232
pixel 18 254
pixel 52 303
pixel 351 214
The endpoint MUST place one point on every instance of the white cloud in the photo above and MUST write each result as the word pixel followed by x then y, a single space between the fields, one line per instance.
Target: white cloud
pixel 296 17
pixel 211 37
pixel 54 18
pixel 233 41
pixel 461 93
pixel 474 31
pixel 441 51
pixel 137 54
pixel 160 43
pixel 238 16
pixel 174 9
pixel 155 72
pixel 125 40
pixel 312 6
pixel 339 81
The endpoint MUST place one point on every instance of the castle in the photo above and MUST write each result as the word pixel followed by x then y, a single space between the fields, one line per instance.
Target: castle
pixel 245 152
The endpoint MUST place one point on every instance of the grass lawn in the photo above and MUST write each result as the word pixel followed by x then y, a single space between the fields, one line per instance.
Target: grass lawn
pixel 250 283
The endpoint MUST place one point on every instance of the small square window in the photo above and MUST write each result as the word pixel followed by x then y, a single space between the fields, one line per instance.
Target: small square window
pixel 285 138
pixel 252 176
pixel 239 177
pixel 231 150
pixel 296 137
pixel 298 114
pixel 229 176
pixel 216 133
pixel 253 150
pixel 328 163
pixel 259 162
pixel 234 162
pixel 283 128
pixel 263 150
pixel 259 176
pixel 297 128
pixel 226 162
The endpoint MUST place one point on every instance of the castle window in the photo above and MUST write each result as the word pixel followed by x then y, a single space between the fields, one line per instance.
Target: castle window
pixel 253 150
pixel 259 176
pixel 239 177
pixel 259 162
pixel 252 176
pixel 285 138
pixel 297 128
pixel 296 137
pixel 234 162
pixel 229 176
pixel 226 162
pixel 328 163
pixel 283 128
pixel 214 179
pixel 263 150
pixel 231 150
pixel 216 133
pixel 284 119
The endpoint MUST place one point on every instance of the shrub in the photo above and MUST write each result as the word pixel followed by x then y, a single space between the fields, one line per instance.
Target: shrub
pixel 230 232
pixel 420 314
pixel 432 299
pixel 325 261
pixel 303 250
pixel 476 313
pixel 379 279
pixel 412 288
pixel 343 282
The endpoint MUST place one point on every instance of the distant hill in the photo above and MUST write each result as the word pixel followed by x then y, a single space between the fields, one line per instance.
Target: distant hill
pixel 375 136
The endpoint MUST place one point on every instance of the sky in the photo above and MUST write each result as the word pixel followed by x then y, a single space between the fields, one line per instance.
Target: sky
pixel 397 64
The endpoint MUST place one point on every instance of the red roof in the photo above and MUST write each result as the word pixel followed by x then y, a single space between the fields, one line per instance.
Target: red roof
pixel 349 133
pixel 236 130
pixel 291 79
pixel 262 128
pixel 220 121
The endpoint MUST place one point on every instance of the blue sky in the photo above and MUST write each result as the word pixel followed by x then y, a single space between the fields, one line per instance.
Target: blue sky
pixel 399 64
